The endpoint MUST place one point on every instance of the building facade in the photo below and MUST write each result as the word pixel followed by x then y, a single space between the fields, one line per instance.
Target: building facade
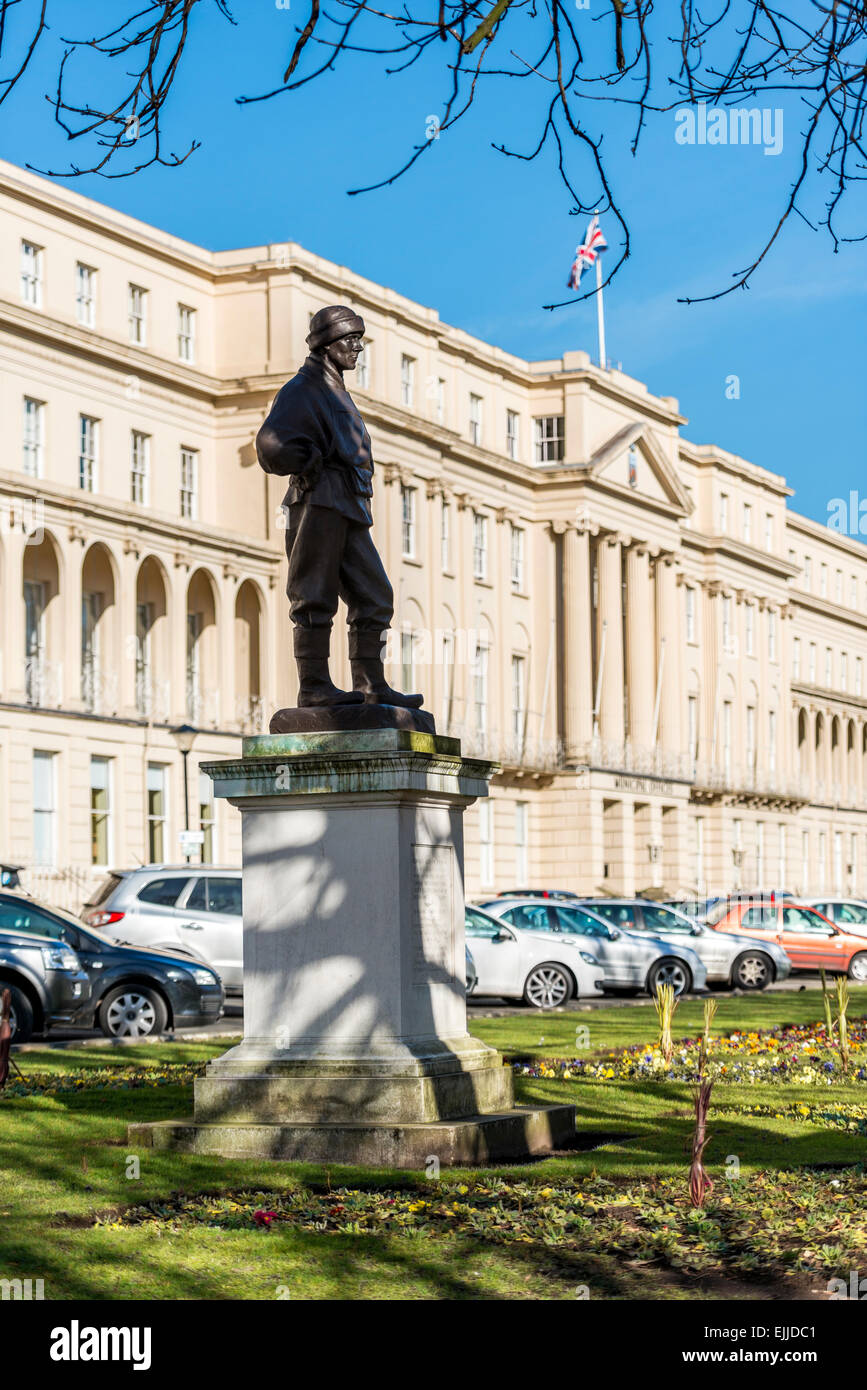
pixel 666 661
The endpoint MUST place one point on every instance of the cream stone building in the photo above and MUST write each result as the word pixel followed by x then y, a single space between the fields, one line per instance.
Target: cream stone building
pixel 666 661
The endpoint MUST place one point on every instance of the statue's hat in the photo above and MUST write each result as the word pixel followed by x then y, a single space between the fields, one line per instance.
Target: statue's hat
pixel 327 325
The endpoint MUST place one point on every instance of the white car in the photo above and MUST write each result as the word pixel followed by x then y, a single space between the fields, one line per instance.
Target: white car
pixel 629 960
pixel 849 914
pixel 543 969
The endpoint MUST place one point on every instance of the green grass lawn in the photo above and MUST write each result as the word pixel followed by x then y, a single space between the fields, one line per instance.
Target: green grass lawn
pixel 611 1217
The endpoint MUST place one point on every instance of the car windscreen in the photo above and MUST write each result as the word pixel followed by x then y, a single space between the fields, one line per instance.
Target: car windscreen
pixel 104 890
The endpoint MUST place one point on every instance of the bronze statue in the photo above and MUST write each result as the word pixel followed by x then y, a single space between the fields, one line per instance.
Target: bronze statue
pixel 315 435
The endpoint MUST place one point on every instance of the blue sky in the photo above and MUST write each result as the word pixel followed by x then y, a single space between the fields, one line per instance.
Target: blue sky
pixel 489 240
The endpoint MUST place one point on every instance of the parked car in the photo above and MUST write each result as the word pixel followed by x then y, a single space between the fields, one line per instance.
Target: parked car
pixel 536 893
pixel 133 992
pixel 629 960
pixel 740 961
pixel 47 982
pixel 472 972
pixel 849 914
pixel 194 908
pixel 544 970
pixel 809 939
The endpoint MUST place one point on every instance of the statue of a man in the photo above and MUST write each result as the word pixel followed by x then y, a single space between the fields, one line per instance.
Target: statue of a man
pixel 315 434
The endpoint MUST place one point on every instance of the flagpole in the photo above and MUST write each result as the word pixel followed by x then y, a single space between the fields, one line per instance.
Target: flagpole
pixel 600 313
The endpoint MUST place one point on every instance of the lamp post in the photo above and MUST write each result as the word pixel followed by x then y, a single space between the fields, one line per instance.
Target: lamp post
pixel 185 736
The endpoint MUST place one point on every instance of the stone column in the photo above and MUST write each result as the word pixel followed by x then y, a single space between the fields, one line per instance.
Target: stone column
pixel 672 736
pixel 177 604
pixel 69 599
pixel 611 623
pixel 640 639
pixel 12 678
pixel 355 1046
pixel 577 659
pixel 126 600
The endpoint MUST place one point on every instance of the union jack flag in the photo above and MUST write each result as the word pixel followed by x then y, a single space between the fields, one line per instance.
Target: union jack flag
pixel 587 253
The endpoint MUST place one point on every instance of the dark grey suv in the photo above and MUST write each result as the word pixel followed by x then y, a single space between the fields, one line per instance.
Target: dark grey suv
pixel 46 981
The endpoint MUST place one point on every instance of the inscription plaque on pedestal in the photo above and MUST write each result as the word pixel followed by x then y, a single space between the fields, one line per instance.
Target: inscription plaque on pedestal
pixel 433 911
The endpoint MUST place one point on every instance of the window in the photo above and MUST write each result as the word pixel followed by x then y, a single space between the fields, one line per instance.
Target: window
pixel 751 737
pixel 440 401
pixel 516 558
pixel 748 523
pixel 475 419
pixel 805 860
pixel 34 437
pixel 34 640
pixel 162 892
pixel 769 531
pixel 513 426
pixel 521 818
pixel 193 673
pixel 100 811
pixel 477 924
pixel 137 314
pixel 44 810
pixel 749 628
pixel 808 572
pixel 480 687
pixel 772 740
pixel 760 853
pixel 859 675
pixel 829 661
pixel 727 735
pixel 486 843
pixel 772 635
pixel 727 624
pixel 446 536
pixel 156 812
pixel 723 512
pixel 85 295
pixel 823 581
pixel 447 658
pixel 480 546
pixel 844 671
pixel 407 659
pixel 363 365
pixel 812 665
pixel 823 860
pixel 31 273
pixel 407 379
pixel 190 484
pixel 796 658
pixel 549 434
pixel 407 512
pixel 144 618
pixel 91 612
pixel 139 467
pixel 692 711
pixel 221 895
pixel 838 587
pixel 88 431
pixel 690 614
pixel 519 697
pixel 781 853
pixel 853 593
pixel 186 333
pixel 207 817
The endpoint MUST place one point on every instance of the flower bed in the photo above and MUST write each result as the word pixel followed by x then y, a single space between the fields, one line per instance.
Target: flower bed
pixel 100 1079
pixel 798 1054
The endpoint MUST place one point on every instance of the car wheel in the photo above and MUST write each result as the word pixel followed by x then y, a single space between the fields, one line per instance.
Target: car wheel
pixel 752 970
pixel 547 986
pixel 20 1013
pixel 132 1011
pixel 670 971
pixel 858 968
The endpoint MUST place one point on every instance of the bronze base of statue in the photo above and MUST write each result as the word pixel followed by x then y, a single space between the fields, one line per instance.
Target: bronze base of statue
pixel 316 719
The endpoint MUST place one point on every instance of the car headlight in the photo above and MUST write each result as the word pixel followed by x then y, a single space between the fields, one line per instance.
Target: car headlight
pixel 204 977
pixel 60 958
pixel 591 960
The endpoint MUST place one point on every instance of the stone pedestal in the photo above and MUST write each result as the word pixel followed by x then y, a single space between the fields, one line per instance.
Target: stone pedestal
pixel 355 1047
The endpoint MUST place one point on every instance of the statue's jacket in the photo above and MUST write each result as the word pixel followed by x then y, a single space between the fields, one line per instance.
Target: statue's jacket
pixel 315 435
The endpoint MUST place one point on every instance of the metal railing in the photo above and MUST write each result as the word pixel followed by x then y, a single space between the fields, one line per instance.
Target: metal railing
pixel 43 682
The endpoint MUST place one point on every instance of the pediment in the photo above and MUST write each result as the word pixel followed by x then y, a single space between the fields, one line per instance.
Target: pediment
pixel 634 459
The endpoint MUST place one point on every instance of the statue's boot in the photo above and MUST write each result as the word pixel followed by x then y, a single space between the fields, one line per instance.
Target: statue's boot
pixel 368 677
pixel 316 686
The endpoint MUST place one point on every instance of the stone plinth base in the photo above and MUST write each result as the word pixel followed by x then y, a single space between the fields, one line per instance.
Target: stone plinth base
pixel 319 719
pixel 478 1139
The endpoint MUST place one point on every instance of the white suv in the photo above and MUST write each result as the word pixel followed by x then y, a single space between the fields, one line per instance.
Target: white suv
pixel 192 907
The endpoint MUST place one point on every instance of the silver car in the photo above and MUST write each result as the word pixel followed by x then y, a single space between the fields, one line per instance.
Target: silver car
pixel 544 970
pixel 194 908
pixel 849 914
pixel 730 958
pixel 630 960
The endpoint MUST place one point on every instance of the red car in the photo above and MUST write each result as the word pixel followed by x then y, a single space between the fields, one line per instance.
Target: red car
pixel 809 939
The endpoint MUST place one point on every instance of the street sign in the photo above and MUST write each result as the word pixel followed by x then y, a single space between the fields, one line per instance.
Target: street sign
pixel 190 840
